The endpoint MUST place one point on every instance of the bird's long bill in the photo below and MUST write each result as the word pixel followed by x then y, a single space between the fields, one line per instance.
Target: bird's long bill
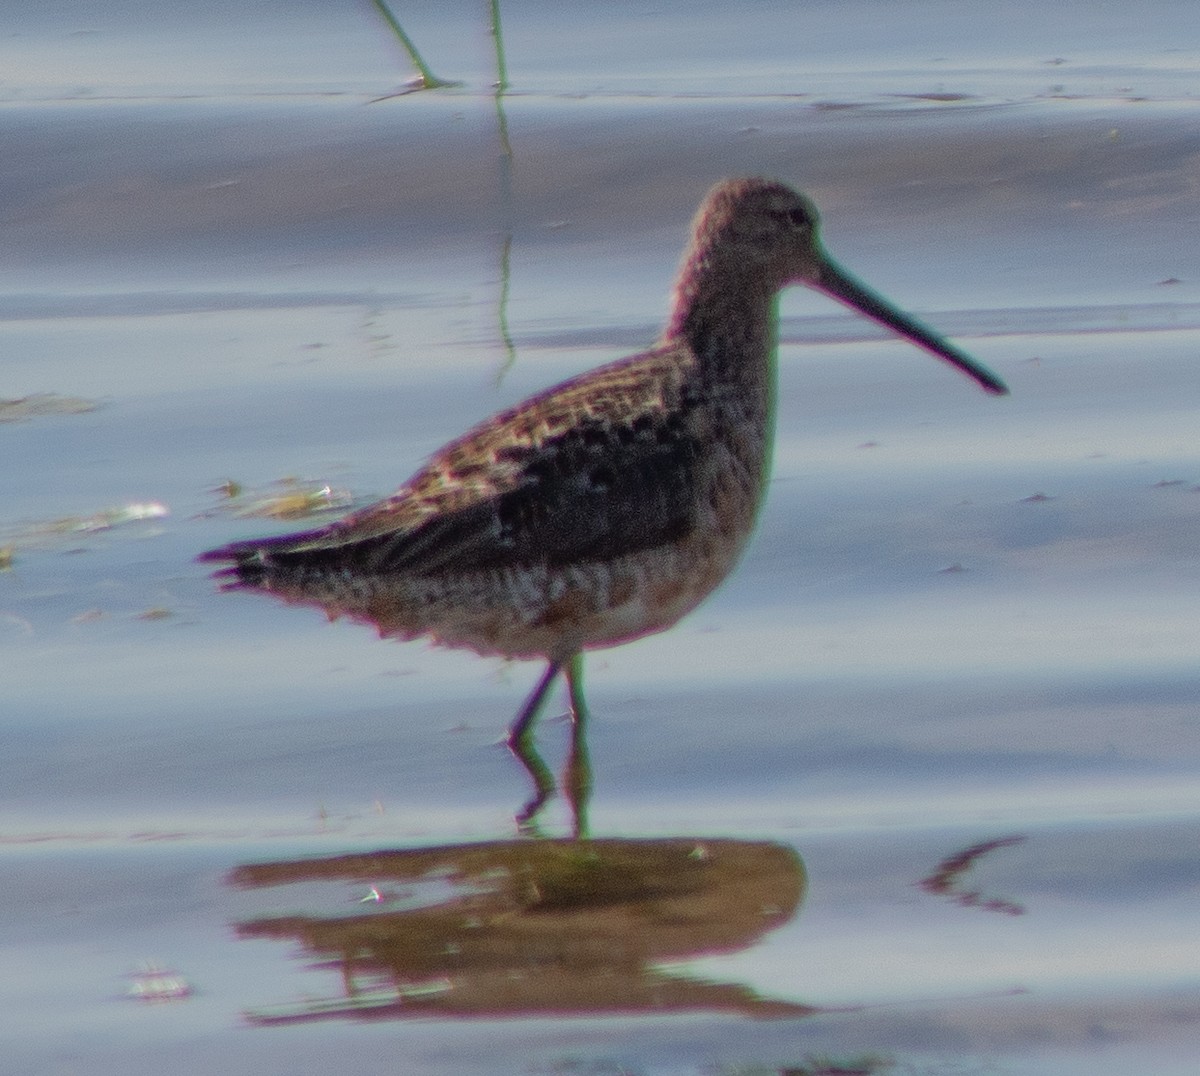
pixel 841 285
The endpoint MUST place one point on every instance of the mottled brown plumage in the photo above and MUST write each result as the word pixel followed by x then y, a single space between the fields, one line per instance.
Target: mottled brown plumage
pixel 603 509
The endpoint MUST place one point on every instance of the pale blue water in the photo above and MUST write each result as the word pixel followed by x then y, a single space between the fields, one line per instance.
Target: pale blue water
pixel 962 618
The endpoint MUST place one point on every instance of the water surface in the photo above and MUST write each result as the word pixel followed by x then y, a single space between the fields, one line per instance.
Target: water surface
pixel 951 689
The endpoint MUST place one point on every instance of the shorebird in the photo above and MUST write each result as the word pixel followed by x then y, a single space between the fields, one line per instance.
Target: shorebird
pixel 603 509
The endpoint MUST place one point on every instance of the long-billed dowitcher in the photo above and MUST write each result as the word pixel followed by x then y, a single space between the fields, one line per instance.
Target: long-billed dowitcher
pixel 607 507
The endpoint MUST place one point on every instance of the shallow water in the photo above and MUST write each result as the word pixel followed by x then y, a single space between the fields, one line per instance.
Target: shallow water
pixel 963 620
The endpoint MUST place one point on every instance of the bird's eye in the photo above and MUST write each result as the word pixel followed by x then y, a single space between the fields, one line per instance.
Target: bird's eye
pixel 798 218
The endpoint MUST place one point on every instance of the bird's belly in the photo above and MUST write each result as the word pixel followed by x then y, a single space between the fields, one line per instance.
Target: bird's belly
pixel 536 610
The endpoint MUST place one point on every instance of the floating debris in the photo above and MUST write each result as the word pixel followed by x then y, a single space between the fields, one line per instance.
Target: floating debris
pixel 106 519
pixel 44 403
pixel 129 513
pixel 44 534
pixel 155 613
pixel 288 498
pixel 152 983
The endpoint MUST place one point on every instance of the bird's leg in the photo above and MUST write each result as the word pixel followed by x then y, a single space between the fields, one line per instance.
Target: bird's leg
pixel 577 780
pixel 520 743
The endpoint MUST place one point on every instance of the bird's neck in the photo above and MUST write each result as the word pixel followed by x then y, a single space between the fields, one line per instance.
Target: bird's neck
pixel 729 321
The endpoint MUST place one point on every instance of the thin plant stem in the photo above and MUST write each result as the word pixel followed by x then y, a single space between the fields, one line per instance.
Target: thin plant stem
pixel 428 80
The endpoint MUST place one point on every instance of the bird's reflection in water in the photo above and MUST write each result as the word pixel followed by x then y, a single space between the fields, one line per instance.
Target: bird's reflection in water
pixel 533 927
pixel 575 785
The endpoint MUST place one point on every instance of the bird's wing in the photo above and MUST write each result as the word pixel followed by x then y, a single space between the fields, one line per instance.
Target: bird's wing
pixel 596 468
